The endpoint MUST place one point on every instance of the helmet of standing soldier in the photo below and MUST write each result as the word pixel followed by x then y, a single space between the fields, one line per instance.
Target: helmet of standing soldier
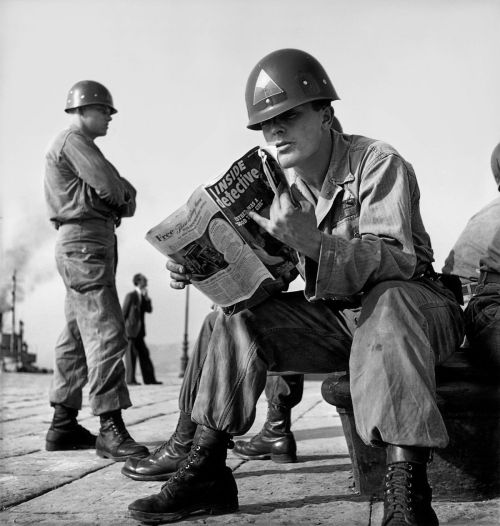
pixel 283 80
pixel 495 164
pixel 86 93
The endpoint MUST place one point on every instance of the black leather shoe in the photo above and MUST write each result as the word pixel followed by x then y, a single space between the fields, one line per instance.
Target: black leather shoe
pixel 159 465
pixel 156 382
pixel 165 460
pixel 114 441
pixel 281 449
pixel 275 441
pixel 66 439
pixel 202 484
pixel 408 496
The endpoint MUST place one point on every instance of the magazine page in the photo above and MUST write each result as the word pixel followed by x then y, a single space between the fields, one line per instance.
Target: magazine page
pixel 250 184
pixel 221 263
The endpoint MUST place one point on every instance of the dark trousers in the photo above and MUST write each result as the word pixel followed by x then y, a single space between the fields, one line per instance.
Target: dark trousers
pixel 137 348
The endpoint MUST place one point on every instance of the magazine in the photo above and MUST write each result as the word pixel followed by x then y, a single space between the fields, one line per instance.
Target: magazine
pixel 232 260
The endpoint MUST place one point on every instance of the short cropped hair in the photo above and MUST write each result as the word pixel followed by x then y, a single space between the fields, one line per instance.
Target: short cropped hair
pixel 320 104
pixel 137 278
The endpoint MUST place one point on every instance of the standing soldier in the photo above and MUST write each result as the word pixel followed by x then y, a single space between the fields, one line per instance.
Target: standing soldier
pixel 86 199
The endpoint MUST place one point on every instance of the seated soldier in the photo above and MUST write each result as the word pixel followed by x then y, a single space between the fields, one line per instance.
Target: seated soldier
pixel 471 245
pixel 476 259
pixel 372 303
pixel 275 441
pixel 283 392
pixel 482 315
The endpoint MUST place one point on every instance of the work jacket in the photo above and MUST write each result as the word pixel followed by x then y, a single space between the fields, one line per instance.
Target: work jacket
pixel 81 184
pixel 369 217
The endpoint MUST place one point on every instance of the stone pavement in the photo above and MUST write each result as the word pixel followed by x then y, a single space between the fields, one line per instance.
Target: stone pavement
pixel 80 489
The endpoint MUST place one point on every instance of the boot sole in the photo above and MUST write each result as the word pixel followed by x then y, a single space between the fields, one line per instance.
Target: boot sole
pixel 284 459
pixel 279 459
pixel 123 458
pixel 51 446
pixel 147 478
pixel 264 456
pixel 208 509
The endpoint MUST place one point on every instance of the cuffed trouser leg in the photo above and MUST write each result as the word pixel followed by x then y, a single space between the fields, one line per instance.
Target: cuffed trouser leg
pixel 191 379
pixel 283 390
pixel 285 333
pixel 404 329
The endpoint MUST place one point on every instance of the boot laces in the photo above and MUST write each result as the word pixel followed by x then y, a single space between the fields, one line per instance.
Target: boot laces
pixel 119 429
pixel 163 446
pixel 184 467
pixel 399 491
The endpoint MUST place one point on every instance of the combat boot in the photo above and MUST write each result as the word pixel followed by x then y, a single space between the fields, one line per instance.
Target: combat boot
pixel 65 433
pixel 114 441
pixel 203 483
pixel 275 441
pixel 407 494
pixel 160 464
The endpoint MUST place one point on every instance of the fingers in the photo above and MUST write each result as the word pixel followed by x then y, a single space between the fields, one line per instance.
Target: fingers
pixel 261 221
pixel 285 199
pixel 172 266
pixel 179 277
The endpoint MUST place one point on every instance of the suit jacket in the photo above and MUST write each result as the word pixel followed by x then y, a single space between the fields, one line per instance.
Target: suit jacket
pixel 134 309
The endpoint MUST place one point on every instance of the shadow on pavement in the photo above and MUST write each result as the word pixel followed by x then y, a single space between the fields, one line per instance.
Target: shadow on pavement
pixel 294 471
pixel 319 432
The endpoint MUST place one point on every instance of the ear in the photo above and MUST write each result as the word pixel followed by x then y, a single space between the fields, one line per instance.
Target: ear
pixel 327 117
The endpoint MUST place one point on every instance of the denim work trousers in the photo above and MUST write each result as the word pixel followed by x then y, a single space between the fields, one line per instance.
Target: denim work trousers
pixel 390 346
pixel 92 344
pixel 482 324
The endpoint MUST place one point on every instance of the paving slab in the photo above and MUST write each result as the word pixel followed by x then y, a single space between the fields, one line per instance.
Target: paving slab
pixel 78 488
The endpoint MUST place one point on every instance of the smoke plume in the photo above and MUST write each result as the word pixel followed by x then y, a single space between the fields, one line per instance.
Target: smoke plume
pixel 29 256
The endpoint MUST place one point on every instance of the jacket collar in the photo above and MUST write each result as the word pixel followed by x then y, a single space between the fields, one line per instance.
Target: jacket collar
pixel 338 174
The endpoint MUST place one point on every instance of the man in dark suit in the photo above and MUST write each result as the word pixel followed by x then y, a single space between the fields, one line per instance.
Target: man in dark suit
pixel 136 304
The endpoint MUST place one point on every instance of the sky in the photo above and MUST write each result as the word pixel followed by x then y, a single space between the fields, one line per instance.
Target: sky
pixel 422 76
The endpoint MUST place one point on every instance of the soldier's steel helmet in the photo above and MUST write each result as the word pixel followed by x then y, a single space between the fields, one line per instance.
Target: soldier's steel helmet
pixel 87 92
pixel 282 80
pixel 495 164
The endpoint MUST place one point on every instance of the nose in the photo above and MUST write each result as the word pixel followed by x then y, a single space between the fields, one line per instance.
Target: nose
pixel 273 126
